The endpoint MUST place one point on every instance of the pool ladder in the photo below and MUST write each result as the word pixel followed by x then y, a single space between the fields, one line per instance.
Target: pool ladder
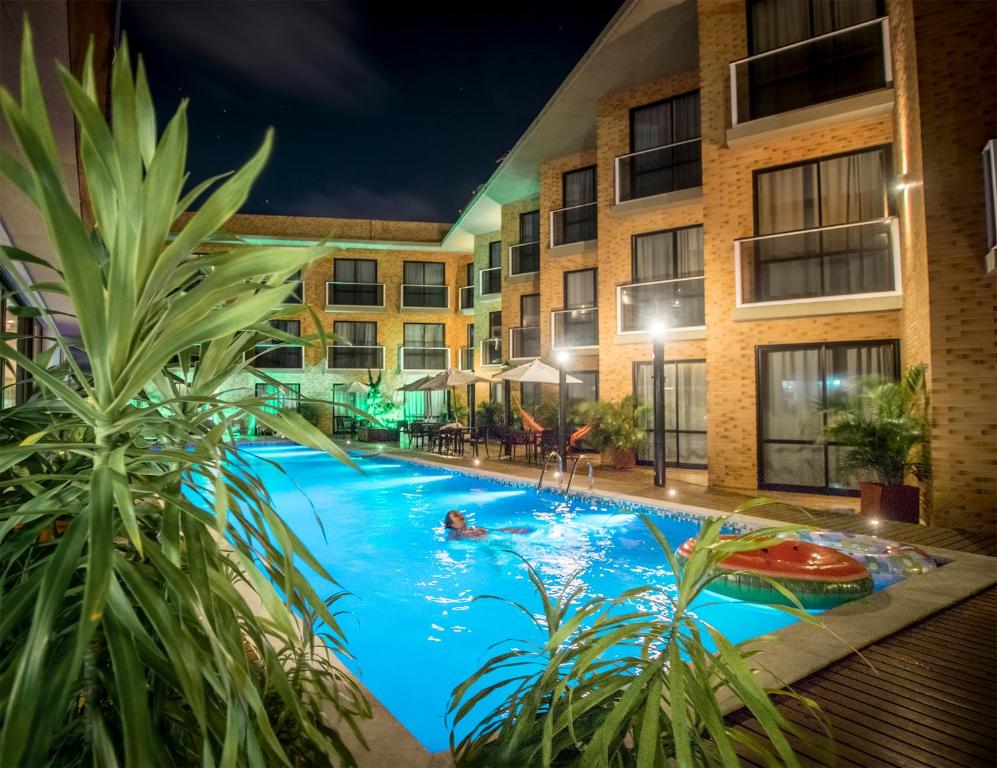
pixel 560 470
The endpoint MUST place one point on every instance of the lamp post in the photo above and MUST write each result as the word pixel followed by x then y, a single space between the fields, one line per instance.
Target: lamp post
pixel 562 358
pixel 658 331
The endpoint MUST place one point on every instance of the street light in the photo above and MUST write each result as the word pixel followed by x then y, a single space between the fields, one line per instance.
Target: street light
pixel 562 358
pixel 658 332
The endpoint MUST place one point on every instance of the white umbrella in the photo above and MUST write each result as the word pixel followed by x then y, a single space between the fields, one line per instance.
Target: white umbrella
pixel 454 377
pixel 414 386
pixel 536 372
pixel 357 388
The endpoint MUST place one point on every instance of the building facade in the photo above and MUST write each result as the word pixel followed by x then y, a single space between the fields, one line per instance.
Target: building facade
pixel 802 191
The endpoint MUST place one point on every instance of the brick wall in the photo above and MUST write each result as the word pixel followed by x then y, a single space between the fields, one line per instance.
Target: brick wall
pixel 957 93
pixel 727 215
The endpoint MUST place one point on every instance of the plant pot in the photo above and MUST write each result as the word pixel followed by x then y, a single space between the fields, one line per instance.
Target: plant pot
pixel 619 460
pixel 891 502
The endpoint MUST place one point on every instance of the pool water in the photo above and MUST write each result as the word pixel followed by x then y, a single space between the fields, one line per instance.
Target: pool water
pixel 413 625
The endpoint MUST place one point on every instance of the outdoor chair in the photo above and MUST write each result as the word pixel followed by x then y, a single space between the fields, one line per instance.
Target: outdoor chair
pixel 478 436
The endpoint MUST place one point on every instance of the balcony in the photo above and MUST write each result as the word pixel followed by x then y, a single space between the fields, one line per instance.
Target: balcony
pixel 524 258
pixel 425 297
pixel 574 224
pixel 491 351
pixel 679 303
pixel 659 171
pixel 524 342
pixel 465 297
pixel 575 328
pixel 277 357
pixel 353 295
pixel 490 281
pixel 854 261
pixel 341 357
pixel 467 358
pixel 837 65
pixel 424 358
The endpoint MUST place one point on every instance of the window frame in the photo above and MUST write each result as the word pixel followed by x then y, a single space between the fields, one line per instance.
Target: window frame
pixel 677 464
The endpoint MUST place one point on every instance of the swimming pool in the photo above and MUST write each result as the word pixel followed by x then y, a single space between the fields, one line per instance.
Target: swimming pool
pixel 413 624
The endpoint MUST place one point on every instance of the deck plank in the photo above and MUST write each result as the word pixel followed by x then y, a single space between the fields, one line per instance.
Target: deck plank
pixel 930 701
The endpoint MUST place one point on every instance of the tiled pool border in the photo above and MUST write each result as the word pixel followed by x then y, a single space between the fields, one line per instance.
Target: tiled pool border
pixel 802 648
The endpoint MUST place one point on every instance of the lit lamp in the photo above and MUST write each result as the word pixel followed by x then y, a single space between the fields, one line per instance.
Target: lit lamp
pixel 658 332
pixel 562 358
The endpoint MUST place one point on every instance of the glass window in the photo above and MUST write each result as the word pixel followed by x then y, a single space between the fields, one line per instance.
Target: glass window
pixel 793 386
pixel 280 397
pixel 494 325
pixel 803 198
pixel 425 273
pixel 470 334
pixel 355 270
pixel 291 327
pixel 424 335
pixel 529 227
pixel 586 392
pixel 822 70
pixel 580 289
pixel 674 253
pixel 685 412
pixel 356 333
pixel 665 151
pixel 577 222
pixel 775 23
pixel 529 310
pixel 494 254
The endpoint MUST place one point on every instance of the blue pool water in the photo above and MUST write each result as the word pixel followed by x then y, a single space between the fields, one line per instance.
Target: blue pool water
pixel 413 624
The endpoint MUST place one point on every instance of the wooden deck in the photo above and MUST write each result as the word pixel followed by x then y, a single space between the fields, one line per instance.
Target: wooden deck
pixel 925 535
pixel 929 699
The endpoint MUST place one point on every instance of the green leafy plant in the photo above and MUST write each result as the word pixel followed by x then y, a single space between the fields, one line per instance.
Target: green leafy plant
pixel 153 609
pixel 489 413
pixel 613 685
pixel 615 426
pixel 885 426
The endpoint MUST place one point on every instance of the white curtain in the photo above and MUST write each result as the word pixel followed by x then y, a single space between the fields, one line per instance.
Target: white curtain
pixel 580 289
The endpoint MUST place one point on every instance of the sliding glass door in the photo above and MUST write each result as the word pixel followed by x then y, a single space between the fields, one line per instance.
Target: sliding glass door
pixel 794 382
pixel 685 412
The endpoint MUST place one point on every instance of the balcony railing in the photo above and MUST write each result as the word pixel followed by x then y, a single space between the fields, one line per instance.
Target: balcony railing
pixel 524 342
pixel 524 258
pixel 490 281
pixel 344 357
pixel 678 302
pixel 574 328
pixel 425 297
pixel 842 63
pixel 465 297
pixel 574 224
pixel 354 294
pixel 491 351
pixel 424 358
pixel 812 264
pixel 659 170
pixel 467 358
pixel 275 357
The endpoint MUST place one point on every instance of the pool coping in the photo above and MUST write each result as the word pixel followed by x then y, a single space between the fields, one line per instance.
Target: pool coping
pixel 784 656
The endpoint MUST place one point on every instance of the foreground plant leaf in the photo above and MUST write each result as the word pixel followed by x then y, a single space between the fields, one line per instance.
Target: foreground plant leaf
pixel 142 622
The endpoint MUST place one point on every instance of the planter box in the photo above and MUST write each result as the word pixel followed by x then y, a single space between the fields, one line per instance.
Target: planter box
pixel 618 460
pixel 891 502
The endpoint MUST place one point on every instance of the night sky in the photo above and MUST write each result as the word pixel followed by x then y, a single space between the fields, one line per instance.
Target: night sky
pixel 382 110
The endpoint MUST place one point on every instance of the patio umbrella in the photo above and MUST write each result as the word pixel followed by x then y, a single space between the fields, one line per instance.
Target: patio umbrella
pixel 453 377
pixel 357 388
pixel 536 372
pixel 416 386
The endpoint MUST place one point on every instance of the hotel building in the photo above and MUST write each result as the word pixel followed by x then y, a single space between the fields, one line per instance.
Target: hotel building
pixel 802 190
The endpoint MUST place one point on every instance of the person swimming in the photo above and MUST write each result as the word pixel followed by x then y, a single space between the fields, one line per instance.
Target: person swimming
pixel 456 527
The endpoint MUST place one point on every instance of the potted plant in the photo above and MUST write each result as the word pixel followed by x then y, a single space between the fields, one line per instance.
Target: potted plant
pixel 617 430
pixel 886 428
